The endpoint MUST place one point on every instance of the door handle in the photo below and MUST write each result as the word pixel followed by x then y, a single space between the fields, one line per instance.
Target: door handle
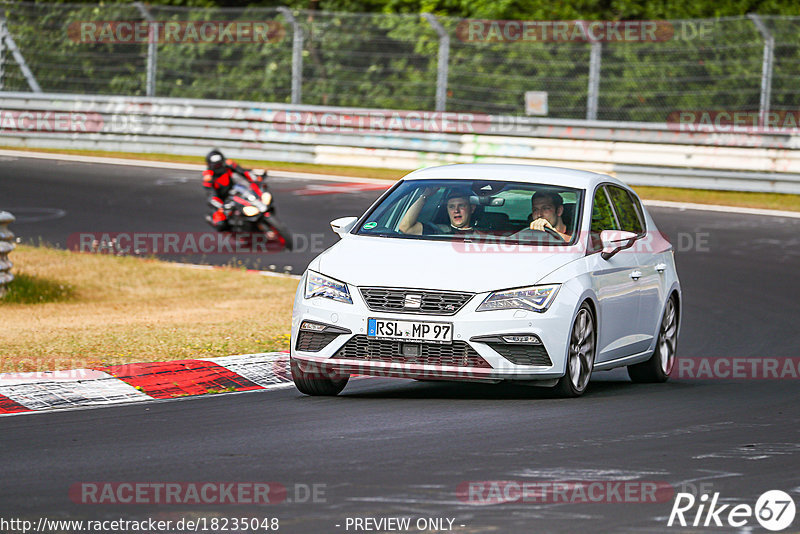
pixel 636 275
pixel 661 267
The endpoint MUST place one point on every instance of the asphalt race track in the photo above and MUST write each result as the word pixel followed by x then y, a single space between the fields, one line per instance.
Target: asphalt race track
pixel 398 448
pixel 58 200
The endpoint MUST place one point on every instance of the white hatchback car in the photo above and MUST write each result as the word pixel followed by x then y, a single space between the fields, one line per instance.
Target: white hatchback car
pixel 538 275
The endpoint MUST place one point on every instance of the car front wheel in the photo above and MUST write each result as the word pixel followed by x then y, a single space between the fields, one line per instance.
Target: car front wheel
pixel 580 356
pixel 317 383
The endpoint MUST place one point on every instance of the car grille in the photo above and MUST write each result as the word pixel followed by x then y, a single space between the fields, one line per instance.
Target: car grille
pixel 314 341
pixel 458 353
pixel 522 354
pixel 386 299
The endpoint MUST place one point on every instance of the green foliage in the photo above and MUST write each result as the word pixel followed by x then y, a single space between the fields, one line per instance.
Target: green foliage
pixel 27 289
pixel 374 59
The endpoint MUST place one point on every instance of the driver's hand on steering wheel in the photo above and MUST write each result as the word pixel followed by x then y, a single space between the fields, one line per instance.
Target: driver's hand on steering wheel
pixel 541 224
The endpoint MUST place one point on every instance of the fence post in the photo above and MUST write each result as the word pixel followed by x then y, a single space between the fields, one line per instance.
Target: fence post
pixel 443 61
pixel 297 55
pixel 152 51
pixel 766 68
pixel 593 89
pixel 2 52
pixel 6 246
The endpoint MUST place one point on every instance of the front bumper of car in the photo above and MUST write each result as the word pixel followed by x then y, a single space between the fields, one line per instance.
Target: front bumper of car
pixel 487 346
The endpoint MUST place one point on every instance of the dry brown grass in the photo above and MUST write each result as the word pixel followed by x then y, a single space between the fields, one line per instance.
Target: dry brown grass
pixel 743 199
pixel 131 310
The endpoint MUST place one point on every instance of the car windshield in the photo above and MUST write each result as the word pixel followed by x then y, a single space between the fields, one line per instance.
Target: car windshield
pixel 516 212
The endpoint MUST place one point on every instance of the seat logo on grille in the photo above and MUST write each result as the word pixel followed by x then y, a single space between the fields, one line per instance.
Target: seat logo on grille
pixel 412 301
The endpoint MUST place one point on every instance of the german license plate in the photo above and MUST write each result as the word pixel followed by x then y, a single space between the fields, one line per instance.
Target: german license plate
pixel 421 331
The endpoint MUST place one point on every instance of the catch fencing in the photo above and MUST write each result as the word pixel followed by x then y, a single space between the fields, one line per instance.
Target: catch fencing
pixel 638 153
pixel 611 71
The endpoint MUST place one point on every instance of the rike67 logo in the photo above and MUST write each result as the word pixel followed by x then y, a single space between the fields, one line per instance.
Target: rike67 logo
pixel 774 510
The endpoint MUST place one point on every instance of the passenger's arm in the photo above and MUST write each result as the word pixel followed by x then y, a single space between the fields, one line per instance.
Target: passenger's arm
pixel 409 223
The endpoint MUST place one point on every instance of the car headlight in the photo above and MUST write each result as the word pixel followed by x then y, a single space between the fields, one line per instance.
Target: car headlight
pixel 318 285
pixel 533 298
pixel 250 211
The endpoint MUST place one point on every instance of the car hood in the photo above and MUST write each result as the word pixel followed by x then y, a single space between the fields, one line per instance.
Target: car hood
pixel 456 266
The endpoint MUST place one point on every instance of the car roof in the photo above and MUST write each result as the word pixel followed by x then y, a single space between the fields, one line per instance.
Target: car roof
pixel 539 174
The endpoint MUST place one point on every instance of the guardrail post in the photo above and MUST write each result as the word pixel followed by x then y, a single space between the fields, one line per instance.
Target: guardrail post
pixel 442 61
pixel 6 246
pixel 297 55
pixel 152 50
pixel 766 68
pixel 23 66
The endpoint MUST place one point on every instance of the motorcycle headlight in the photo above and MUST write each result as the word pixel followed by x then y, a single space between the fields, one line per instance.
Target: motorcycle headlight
pixel 533 298
pixel 318 285
pixel 250 211
pixel 266 197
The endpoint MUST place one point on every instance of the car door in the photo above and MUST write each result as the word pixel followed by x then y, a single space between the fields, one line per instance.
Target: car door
pixel 614 284
pixel 651 287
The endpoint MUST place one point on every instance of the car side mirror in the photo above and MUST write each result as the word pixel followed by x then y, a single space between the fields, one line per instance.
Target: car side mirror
pixel 615 240
pixel 343 225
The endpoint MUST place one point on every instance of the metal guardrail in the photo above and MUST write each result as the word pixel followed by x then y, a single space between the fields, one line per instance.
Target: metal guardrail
pixel 6 246
pixel 639 153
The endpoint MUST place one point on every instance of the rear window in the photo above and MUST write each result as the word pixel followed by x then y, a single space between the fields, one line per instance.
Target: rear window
pixel 628 214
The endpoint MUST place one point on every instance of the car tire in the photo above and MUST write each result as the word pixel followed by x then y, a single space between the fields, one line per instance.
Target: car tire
pixel 660 365
pixel 317 384
pixel 580 354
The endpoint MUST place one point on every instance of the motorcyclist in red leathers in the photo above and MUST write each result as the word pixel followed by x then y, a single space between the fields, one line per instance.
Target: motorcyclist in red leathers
pixel 218 181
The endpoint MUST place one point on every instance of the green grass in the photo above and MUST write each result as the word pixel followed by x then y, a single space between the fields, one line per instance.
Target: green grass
pixel 28 289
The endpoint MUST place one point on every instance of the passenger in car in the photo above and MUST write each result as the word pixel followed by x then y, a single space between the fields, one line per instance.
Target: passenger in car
pixel 546 211
pixel 459 211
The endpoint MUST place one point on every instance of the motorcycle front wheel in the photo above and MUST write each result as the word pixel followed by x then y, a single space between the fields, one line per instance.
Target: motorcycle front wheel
pixel 274 225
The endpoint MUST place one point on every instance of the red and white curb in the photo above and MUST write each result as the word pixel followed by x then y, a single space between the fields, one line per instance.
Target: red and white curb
pixel 138 382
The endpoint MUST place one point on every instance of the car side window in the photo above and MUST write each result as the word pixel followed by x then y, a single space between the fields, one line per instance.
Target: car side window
pixel 602 219
pixel 627 212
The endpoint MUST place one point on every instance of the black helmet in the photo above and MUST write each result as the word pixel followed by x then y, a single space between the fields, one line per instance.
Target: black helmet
pixel 215 160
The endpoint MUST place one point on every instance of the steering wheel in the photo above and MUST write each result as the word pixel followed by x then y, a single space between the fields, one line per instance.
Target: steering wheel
pixel 526 232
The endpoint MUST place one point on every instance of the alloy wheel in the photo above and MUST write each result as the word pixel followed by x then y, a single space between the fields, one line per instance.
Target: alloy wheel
pixel 581 350
pixel 667 338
